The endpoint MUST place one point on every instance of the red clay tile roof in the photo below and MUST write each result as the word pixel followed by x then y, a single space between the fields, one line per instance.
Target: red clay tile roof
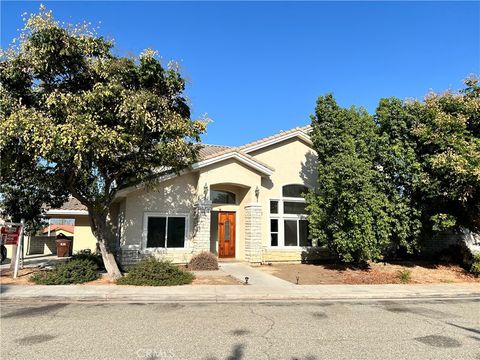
pixel 209 149
pixel 55 227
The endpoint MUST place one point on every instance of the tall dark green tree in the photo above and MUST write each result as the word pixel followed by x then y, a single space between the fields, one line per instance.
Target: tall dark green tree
pixel 349 212
pixel 91 121
pixel 400 166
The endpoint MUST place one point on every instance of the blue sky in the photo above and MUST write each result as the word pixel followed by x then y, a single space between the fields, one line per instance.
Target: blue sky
pixel 257 68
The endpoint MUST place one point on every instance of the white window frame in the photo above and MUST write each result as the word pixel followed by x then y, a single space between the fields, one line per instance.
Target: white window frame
pixel 148 215
pixel 281 217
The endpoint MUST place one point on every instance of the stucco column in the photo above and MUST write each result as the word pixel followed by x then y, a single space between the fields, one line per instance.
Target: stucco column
pixel 201 239
pixel 253 233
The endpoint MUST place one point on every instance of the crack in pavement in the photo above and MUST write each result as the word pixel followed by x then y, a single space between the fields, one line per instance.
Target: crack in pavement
pixel 264 335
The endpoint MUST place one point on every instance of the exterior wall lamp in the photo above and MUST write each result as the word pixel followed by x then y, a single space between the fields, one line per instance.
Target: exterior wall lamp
pixel 257 192
pixel 205 191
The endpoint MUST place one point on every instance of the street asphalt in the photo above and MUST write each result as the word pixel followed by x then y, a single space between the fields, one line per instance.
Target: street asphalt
pixel 443 329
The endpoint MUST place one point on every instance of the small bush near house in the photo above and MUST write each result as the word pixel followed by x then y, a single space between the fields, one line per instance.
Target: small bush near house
pixel 87 254
pixel 75 271
pixel 475 269
pixel 404 276
pixel 153 272
pixel 203 261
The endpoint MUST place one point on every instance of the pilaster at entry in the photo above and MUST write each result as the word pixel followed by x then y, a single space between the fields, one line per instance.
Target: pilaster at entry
pixel 201 240
pixel 253 233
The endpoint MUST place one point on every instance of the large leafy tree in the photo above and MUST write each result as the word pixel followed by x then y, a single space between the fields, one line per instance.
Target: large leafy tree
pixel 92 121
pixel 26 188
pixel 349 212
pixel 430 155
pixel 448 136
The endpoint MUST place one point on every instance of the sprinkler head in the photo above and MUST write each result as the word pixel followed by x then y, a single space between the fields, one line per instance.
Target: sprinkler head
pixel 246 280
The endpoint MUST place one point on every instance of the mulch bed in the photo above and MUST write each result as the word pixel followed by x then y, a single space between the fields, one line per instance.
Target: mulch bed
pixel 376 273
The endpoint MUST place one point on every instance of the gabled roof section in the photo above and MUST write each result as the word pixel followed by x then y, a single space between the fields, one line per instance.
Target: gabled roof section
pixel 237 155
pixel 211 154
pixel 71 207
pixel 57 227
pixel 300 132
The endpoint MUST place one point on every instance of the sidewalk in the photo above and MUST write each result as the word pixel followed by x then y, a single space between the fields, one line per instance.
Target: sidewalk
pixel 235 293
pixel 262 287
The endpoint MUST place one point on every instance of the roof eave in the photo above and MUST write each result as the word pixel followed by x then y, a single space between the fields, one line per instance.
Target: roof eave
pixel 66 212
pixel 237 156
pixel 298 133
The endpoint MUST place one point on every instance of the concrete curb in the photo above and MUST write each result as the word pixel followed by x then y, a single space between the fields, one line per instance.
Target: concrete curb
pixel 59 299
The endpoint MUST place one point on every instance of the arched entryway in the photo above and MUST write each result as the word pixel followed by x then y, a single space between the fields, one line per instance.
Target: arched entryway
pixel 226 220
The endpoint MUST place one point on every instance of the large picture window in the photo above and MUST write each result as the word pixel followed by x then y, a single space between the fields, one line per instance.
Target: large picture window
pixel 288 218
pixel 165 231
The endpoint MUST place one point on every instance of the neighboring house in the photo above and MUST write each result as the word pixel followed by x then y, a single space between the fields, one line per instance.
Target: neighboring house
pixel 44 242
pixel 83 237
pixel 57 229
pixel 243 203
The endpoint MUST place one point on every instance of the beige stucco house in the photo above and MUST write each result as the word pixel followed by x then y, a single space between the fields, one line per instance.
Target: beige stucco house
pixel 244 203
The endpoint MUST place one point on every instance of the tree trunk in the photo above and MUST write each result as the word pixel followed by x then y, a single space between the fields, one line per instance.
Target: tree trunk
pixel 109 261
pixel 103 231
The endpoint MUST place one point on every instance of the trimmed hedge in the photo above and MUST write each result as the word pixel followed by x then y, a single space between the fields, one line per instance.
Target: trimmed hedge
pixel 153 272
pixel 75 271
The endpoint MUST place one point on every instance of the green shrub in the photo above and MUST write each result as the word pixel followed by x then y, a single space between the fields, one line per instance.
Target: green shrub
pixel 475 268
pixel 87 254
pixel 75 271
pixel 153 272
pixel 203 261
pixel 404 276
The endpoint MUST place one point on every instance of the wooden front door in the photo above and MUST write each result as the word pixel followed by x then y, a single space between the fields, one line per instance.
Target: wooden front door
pixel 226 234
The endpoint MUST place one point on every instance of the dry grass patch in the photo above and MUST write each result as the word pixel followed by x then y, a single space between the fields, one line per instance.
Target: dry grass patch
pixel 215 280
pixel 22 278
pixel 376 273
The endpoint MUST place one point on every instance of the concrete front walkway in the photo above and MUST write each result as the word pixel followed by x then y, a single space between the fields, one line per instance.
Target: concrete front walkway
pixel 262 287
pixel 256 278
